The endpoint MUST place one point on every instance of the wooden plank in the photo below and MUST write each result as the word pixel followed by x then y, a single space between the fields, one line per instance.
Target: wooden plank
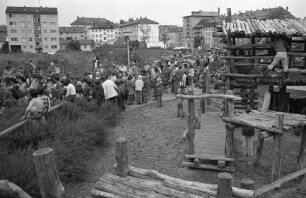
pixel 205 156
pixel 212 167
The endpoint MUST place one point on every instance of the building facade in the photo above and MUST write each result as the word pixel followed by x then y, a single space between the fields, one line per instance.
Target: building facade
pixel 191 20
pixel 72 33
pixel 174 35
pixel 106 33
pixel 143 30
pixel 32 29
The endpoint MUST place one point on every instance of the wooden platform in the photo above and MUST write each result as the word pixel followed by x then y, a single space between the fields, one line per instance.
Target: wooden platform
pixel 209 144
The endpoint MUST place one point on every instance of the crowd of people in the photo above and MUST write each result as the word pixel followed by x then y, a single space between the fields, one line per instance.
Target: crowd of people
pixel 120 84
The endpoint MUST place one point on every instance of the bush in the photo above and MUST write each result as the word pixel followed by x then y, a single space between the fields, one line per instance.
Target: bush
pixel 73 131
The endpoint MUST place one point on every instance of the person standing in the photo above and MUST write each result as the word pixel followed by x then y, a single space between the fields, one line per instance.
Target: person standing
pixel 159 92
pixel 71 92
pixel 138 88
pixel 110 92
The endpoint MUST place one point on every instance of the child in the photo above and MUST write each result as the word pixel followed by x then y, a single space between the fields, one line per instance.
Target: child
pixel 138 88
pixel 159 92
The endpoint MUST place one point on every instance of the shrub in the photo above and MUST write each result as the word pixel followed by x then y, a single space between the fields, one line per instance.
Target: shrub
pixel 73 131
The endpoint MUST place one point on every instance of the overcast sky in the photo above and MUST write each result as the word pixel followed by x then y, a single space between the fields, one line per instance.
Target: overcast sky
pixel 166 12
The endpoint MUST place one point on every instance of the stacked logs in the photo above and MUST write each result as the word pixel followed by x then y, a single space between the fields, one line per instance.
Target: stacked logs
pixel 252 27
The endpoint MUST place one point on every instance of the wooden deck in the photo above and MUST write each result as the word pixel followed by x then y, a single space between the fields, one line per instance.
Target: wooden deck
pixel 209 143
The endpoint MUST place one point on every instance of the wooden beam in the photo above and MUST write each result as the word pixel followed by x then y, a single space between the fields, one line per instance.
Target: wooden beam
pixel 122 157
pixel 191 126
pixel 278 183
pixel 276 158
pixel 204 96
pixel 224 185
pixel 49 183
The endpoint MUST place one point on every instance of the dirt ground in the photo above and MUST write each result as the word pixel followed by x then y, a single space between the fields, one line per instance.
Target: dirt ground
pixel 155 142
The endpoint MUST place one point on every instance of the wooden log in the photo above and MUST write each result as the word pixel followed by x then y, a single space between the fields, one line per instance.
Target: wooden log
pixel 276 159
pixel 209 157
pixel 302 152
pixel 212 167
pixel 278 183
pixel 101 194
pixel 252 124
pixel 247 184
pixel 229 141
pixel 224 185
pixel 9 189
pixel 122 157
pixel 146 185
pixel 196 162
pixel 152 174
pixel 49 183
pixel 191 126
pixel 221 164
pixel 229 105
pixel 204 96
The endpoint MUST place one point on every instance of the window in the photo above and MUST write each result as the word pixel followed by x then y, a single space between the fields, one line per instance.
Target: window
pixel 100 30
pixel 30 39
pixel 52 31
pixel 111 30
pixel 96 30
pixel 46 39
pixel 45 24
pixel 54 46
pixel 97 40
pixel 14 39
pixel 104 33
pixel 24 46
pixel 92 30
pixel 107 30
pixel 13 31
pixel 85 46
pixel 24 39
pixel 43 16
pixel 104 38
pixel 112 35
pixel 37 43
pixel 13 23
pixel 52 23
pixel 100 40
pixel 46 46
pixel 53 38
pixel 100 35
pixel 31 46
pixel 45 31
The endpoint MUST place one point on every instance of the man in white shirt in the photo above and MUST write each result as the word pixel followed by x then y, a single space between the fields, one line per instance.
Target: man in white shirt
pixel 110 92
pixel 71 92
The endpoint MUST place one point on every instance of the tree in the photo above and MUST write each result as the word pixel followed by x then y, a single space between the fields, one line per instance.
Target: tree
pixel 198 41
pixel 134 45
pixel 164 38
pixel 279 13
pixel 122 21
pixel 5 47
pixel 74 45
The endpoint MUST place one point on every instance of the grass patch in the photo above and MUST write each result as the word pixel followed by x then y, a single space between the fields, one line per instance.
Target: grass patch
pixel 73 131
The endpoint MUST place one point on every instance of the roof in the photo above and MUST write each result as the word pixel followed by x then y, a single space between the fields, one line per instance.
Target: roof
pixel 202 14
pixel 71 30
pixel 30 10
pixel 88 21
pixel 212 21
pixel 3 28
pixel 265 13
pixel 251 27
pixel 82 42
pixel 104 25
pixel 175 29
pixel 3 36
pixel 139 21
pixel 170 28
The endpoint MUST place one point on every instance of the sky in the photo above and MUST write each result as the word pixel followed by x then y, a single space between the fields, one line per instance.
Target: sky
pixel 166 12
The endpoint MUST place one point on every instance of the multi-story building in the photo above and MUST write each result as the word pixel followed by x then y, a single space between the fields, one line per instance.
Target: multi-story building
pixel 3 34
pixel 173 34
pixel 87 22
pixel 105 33
pixel 72 33
pixel 191 20
pixel 32 29
pixel 143 30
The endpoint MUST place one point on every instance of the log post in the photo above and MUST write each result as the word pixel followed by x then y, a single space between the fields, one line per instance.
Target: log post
pixel 224 185
pixel 276 162
pixel 191 127
pixel 229 141
pixel 122 157
pixel 260 142
pixel 229 106
pixel 302 153
pixel 247 184
pixel 208 84
pixel 266 102
pixel 49 183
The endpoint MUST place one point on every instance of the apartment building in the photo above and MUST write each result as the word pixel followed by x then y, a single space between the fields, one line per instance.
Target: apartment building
pixel 32 29
pixel 174 35
pixel 142 29
pixel 72 33
pixel 105 33
pixel 191 20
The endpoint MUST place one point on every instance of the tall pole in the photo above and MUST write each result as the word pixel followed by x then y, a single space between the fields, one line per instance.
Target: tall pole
pixel 128 49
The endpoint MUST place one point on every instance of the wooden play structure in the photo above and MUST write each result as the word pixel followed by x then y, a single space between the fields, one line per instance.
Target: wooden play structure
pixel 209 146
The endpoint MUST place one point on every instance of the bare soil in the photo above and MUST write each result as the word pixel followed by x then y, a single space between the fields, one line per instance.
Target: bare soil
pixel 155 142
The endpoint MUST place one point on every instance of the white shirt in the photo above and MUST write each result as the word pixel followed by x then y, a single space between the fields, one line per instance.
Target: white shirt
pixel 139 85
pixel 109 89
pixel 70 90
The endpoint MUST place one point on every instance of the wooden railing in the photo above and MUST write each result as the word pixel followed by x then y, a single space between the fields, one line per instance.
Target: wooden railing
pixel 21 123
